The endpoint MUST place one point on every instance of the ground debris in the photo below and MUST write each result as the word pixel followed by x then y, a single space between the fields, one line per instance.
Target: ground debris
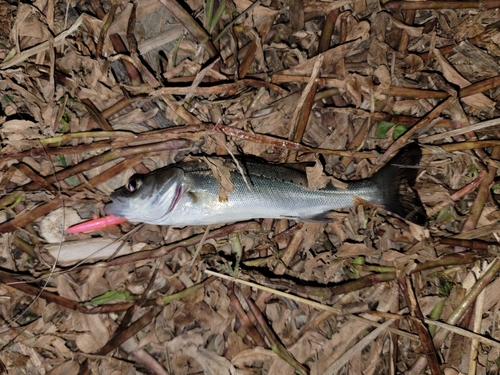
pixel 93 92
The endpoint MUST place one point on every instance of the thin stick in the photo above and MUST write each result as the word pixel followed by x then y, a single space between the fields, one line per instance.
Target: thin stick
pixel 466 129
pixel 58 40
pixel 309 302
pixel 358 347
pixel 401 141
pixel 464 332
pixel 419 5
pixel 230 24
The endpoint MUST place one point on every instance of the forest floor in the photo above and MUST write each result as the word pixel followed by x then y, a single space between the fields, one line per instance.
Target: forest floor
pixel 93 92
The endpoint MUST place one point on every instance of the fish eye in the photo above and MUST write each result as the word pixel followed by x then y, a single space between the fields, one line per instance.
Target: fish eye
pixel 133 184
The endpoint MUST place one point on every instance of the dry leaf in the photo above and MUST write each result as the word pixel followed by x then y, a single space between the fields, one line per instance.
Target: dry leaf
pixel 479 101
pixel 222 173
pixel 348 250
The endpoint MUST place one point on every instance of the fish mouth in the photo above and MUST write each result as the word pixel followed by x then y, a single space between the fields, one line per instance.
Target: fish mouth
pixel 113 208
pixel 110 209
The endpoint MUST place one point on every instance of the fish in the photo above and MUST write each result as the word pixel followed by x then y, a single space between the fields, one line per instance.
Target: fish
pixel 188 194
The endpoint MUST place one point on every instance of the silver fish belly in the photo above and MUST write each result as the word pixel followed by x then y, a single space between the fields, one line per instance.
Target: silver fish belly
pixel 188 194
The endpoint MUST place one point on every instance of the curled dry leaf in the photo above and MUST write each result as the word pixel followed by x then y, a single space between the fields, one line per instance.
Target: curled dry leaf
pixel 350 250
pixel 222 172
pixel 479 101
pixel 210 362
pixel 414 31
pixel 316 178
pixel 51 226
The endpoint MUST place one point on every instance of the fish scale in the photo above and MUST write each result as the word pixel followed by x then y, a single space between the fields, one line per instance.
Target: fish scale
pixel 268 198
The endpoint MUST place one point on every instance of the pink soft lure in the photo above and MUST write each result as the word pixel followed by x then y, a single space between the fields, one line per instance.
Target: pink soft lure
pixel 96 224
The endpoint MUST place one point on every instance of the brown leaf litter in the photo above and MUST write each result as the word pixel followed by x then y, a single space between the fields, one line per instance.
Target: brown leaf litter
pixel 95 91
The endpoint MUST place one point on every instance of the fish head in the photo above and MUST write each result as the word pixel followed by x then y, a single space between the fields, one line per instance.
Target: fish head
pixel 148 198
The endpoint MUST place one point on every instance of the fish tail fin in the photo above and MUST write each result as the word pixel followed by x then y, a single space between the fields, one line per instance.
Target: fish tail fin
pixel 396 181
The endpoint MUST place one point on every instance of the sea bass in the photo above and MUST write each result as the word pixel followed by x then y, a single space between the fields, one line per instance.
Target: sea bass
pixel 188 194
